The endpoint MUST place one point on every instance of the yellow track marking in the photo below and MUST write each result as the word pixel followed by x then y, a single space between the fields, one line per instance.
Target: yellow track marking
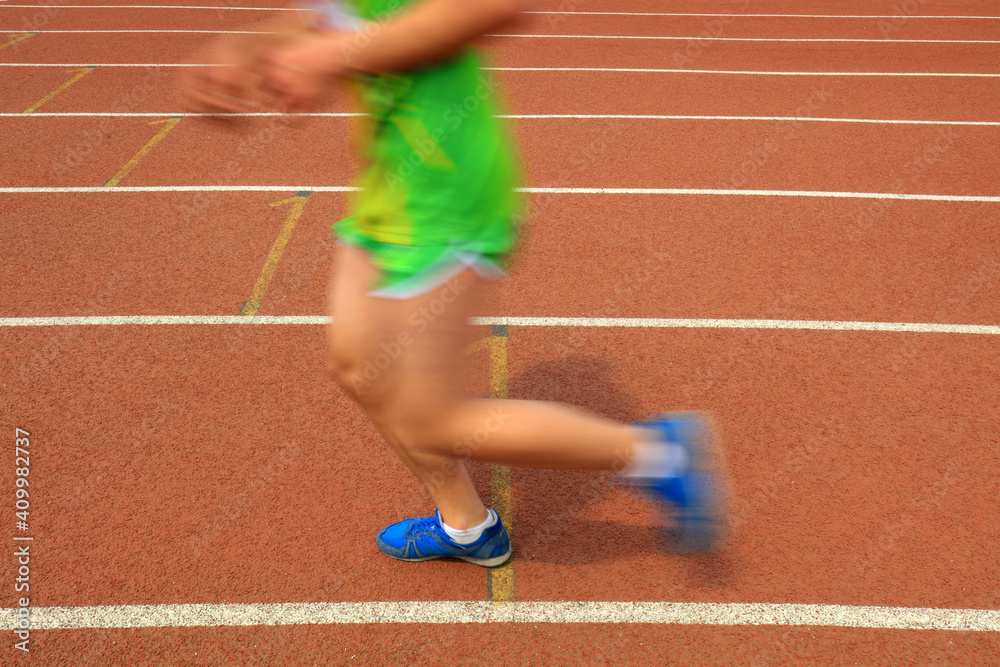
pixel 19 38
pixel 169 124
pixel 80 73
pixel 298 203
pixel 499 580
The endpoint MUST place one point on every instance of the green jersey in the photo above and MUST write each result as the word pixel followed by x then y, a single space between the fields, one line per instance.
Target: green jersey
pixel 440 173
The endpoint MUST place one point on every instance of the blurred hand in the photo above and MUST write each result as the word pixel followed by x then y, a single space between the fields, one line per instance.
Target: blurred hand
pixel 300 70
pixel 228 85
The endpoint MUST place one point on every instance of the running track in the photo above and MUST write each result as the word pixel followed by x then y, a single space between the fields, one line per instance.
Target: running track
pixel 792 221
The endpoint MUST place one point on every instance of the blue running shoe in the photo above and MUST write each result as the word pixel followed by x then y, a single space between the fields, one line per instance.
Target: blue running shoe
pixel 421 539
pixel 695 491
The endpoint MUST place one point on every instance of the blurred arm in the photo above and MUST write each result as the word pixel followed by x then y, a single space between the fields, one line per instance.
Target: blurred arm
pixel 298 71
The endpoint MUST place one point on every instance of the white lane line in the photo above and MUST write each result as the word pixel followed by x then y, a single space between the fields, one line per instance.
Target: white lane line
pixel 735 16
pixel 199 32
pixel 761 193
pixel 171 114
pixel 183 188
pixel 220 7
pixel 584 322
pixel 107 65
pixel 324 114
pixel 661 613
pixel 557 191
pixel 574 69
pixel 668 323
pixel 763 39
pixel 715 71
pixel 723 14
pixel 681 38
pixel 121 320
pixel 797 119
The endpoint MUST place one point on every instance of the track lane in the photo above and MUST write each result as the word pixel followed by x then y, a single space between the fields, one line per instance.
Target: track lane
pixel 92 150
pixel 155 90
pixel 520 645
pixel 732 258
pixel 18 19
pixel 758 155
pixel 234 503
pixel 151 253
pixel 946 649
pixel 222 457
pixel 826 7
pixel 829 486
pixel 103 89
pixel 759 56
pixel 709 94
pixel 693 257
pixel 697 28
pixel 766 155
pixel 965 8
pixel 701 30
pixel 752 56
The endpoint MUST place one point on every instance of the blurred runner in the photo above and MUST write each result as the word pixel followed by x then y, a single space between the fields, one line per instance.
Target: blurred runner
pixel 436 217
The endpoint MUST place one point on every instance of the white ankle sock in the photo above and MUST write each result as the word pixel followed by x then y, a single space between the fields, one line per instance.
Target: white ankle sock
pixel 656 459
pixel 470 535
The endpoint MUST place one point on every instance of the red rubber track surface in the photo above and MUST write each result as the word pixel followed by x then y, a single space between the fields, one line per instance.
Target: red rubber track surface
pixel 167 452
pixel 762 155
pixel 606 53
pixel 219 464
pixel 695 27
pixel 201 257
pixel 244 499
pixel 737 7
pixel 151 90
pixel 967 8
pixel 126 455
pixel 522 645
pixel 797 260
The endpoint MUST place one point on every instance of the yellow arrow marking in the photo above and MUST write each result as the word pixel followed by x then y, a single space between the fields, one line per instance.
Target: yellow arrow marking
pixel 19 38
pixel 80 73
pixel 298 203
pixel 169 124
pixel 499 580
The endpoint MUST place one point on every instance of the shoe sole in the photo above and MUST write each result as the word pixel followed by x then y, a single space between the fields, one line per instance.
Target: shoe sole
pixel 488 562
pixel 484 562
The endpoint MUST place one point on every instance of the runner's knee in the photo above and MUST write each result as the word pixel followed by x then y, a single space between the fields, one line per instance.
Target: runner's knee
pixel 420 426
pixel 357 378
